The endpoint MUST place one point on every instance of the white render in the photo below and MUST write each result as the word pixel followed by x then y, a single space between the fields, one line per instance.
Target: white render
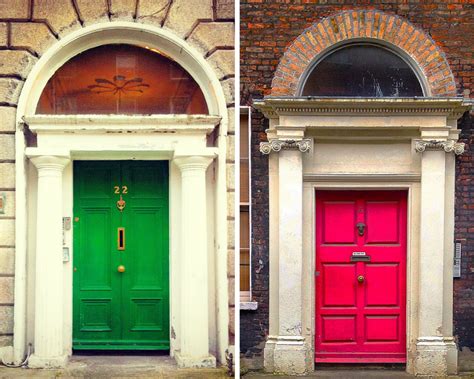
pixel 369 144
pixel 176 138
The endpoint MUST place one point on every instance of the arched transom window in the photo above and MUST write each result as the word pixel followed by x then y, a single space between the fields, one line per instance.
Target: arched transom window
pixel 122 79
pixel 362 70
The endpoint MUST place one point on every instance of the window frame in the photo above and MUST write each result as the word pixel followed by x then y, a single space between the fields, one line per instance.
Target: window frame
pixel 361 42
pixel 246 302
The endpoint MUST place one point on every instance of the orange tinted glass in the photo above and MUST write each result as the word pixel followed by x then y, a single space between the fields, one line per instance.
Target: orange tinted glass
pixel 121 79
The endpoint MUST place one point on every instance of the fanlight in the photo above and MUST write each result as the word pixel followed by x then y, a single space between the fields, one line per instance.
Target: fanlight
pixel 122 79
pixel 362 70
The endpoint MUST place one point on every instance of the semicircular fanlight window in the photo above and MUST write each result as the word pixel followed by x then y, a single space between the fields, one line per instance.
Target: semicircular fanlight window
pixel 121 79
pixel 362 71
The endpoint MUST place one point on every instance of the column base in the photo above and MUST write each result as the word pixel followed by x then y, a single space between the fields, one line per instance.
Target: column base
pixel 36 361
pixel 187 361
pixel 268 354
pixel 291 356
pixel 436 356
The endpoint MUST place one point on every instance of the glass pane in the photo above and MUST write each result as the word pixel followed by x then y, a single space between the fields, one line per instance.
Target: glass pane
pixel 363 70
pixel 244 229
pixel 244 136
pixel 244 250
pixel 244 181
pixel 244 270
pixel 121 79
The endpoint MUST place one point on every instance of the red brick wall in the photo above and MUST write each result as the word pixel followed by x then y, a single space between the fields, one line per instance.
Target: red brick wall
pixel 268 28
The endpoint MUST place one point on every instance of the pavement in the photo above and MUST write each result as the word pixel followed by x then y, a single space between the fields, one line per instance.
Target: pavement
pixel 351 374
pixel 117 367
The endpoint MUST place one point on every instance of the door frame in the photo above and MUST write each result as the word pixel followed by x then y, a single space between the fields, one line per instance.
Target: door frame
pixel 368 189
pixel 76 138
pixel 310 188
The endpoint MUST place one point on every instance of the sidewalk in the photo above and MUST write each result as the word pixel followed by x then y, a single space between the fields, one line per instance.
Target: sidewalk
pixel 106 366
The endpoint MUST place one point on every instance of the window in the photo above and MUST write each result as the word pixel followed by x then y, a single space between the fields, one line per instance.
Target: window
pixel 362 70
pixel 245 276
pixel 121 79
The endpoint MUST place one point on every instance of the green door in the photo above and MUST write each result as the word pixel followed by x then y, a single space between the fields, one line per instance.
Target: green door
pixel 121 255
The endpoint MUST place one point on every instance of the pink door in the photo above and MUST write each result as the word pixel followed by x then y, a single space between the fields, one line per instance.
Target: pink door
pixel 361 240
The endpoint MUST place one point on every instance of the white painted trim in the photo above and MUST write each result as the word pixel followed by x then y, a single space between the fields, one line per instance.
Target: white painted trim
pixel 193 62
pixel 345 178
pixel 248 305
pixel 115 123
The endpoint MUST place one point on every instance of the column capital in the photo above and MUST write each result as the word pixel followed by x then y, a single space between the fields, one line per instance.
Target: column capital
pixel 449 146
pixel 276 145
pixel 54 162
pixel 193 162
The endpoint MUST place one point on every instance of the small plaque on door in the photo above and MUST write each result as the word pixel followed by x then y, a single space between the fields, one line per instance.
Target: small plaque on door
pixel 360 256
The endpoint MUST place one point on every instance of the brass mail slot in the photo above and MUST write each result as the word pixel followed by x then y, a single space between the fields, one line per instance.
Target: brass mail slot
pixel 121 239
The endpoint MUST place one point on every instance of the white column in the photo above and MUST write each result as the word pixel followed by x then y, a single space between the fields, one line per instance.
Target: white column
pixel 194 350
pixel 435 344
pixel 290 353
pixel 48 310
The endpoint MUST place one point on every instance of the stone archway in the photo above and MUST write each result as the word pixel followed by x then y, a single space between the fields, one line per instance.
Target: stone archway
pixel 367 25
pixel 191 58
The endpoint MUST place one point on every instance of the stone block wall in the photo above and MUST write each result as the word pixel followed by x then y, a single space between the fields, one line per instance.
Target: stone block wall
pixel 29 27
pixel 270 28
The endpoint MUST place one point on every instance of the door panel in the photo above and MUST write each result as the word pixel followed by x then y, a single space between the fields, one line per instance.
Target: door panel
pixel 338 284
pixel 338 223
pixel 360 305
pixel 112 309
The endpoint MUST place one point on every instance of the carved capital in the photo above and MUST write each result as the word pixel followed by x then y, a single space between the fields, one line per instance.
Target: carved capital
pixel 449 146
pixel 276 145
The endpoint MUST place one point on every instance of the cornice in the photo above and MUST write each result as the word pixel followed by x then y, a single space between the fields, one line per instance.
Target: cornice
pixel 273 107
pixel 122 123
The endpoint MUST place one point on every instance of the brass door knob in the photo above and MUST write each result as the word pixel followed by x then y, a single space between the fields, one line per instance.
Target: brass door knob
pixel 121 268
pixel 360 279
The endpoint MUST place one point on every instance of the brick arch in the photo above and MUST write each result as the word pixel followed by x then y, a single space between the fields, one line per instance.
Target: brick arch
pixel 371 25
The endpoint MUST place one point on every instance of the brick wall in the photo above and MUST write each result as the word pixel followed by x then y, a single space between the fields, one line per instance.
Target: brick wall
pixel 268 30
pixel 29 27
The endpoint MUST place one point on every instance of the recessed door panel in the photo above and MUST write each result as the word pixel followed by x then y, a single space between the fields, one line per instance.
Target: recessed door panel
pixel 121 258
pixel 382 284
pixel 338 284
pixel 338 222
pixel 384 220
pixel 360 276
pixel 382 328
pixel 96 260
pixel 339 329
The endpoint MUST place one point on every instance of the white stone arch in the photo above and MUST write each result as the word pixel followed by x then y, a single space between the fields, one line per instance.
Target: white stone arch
pixel 165 41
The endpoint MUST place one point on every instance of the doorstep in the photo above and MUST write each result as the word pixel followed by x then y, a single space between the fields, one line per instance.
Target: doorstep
pixel 116 366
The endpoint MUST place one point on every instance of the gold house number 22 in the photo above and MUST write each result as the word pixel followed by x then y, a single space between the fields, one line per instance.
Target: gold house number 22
pixel 117 189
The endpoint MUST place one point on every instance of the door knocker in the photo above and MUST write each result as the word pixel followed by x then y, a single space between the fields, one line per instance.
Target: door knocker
pixel 361 227
pixel 121 204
